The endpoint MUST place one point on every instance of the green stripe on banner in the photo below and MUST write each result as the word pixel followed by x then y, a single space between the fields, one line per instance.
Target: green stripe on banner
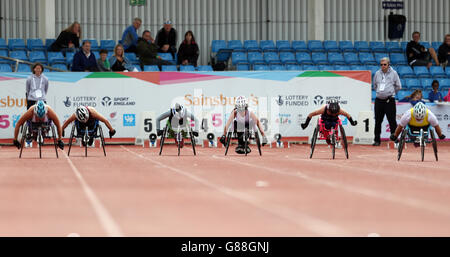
pixel 318 74
pixel 96 75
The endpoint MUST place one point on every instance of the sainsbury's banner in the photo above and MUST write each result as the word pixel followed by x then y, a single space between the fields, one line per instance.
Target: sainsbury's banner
pixel 282 100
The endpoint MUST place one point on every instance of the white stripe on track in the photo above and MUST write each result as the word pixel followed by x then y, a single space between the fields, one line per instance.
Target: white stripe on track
pixel 106 220
pixel 315 225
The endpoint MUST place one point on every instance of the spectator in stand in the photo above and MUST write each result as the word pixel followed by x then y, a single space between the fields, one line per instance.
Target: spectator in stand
pixel 444 52
pixel 447 97
pixel 118 60
pixel 166 39
pixel 84 60
pixel 130 36
pixel 435 95
pixel 148 51
pixel 188 51
pixel 103 63
pixel 414 98
pixel 68 40
pixel 37 85
pixel 417 54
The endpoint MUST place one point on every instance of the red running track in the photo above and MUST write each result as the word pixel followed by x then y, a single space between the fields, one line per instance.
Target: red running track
pixel 135 192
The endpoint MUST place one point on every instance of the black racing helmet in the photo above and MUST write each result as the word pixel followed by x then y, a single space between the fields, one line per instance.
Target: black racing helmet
pixel 333 106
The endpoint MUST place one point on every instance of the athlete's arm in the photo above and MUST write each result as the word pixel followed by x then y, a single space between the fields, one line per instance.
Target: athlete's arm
pixel 435 123
pixel 317 112
pixel 230 119
pixel 98 116
pixel 26 116
pixel 349 117
pixel 258 123
pixel 160 118
pixel 406 118
pixel 52 115
pixel 68 121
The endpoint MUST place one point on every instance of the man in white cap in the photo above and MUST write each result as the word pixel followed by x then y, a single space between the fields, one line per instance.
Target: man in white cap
pixel 166 39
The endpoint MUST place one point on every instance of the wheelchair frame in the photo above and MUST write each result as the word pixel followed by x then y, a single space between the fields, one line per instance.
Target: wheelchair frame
pixel 40 133
pixel 96 132
pixel 178 138
pixel 333 134
pixel 422 137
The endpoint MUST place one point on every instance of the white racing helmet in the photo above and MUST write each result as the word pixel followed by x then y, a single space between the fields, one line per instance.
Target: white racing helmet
pixel 82 114
pixel 241 103
pixel 419 111
pixel 178 111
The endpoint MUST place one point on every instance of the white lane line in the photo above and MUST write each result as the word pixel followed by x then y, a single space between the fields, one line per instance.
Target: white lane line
pixel 382 195
pixel 106 220
pixel 302 220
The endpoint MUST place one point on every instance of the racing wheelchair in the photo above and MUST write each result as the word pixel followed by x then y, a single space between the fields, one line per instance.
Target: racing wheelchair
pixel 419 136
pixel 247 134
pixel 38 131
pixel 86 134
pixel 179 137
pixel 331 135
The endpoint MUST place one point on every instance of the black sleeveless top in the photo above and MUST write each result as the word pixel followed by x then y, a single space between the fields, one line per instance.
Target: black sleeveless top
pixel 327 117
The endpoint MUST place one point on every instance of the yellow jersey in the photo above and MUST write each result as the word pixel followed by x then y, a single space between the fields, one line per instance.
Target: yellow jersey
pixel 415 123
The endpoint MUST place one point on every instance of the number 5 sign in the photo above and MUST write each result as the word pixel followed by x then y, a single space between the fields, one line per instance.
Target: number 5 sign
pixel 146 127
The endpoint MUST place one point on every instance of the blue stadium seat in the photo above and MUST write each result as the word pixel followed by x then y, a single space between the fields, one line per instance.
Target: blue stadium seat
pixel 413 84
pixel 16 44
pixel 367 58
pixel 351 58
pixel 425 44
pixel 319 58
pixel 303 58
pixel 447 71
pixel 239 58
pixel 336 58
pixel 326 67
pixel 341 67
pixel 220 51
pixel 403 45
pixel 310 67
pixel 358 67
pixel 151 68
pixel 378 56
pixel 97 55
pixel 346 46
pixel 443 82
pixel 135 61
pixel 55 57
pixel 23 68
pixel 426 82
pixel 299 46
pixel 362 46
pixel 404 93
pixel 37 56
pixel 69 58
pixel 107 44
pixel 293 67
pixel 436 45
pixel 236 46
pixel 284 46
pixel 169 68
pixel 4 53
pixel 260 67
pixel 421 72
pixel 242 67
pixel 405 72
pixel 34 44
pixel 60 66
pixel 267 46
pixel 271 58
pixel 278 67
pixel 49 42
pixel 4 67
pixel 331 46
pixel 205 68
pixel 164 56
pixel 187 68
pixel 255 58
pixel 393 47
pixel 377 46
pixel 94 44
pixel 3 45
pixel 315 46
pixel 398 59
pixel 437 72
pixel 373 69
pixel 251 46
pixel 19 54
pixel 288 58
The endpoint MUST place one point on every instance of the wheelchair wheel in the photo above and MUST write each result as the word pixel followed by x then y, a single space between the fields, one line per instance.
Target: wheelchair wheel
pixel 40 141
pixel 313 140
pixel 246 137
pixel 71 138
pixel 102 138
pixel 258 143
pixel 54 140
pixel 192 141
pixel 163 136
pixel 401 144
pixel 85 140
pixel 422 144
pixel 333 143
pixel 22 140
pixel 228 142
pixel 433 142
pixel 344 140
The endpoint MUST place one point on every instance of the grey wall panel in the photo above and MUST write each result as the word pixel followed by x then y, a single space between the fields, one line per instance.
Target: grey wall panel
pixel 20 19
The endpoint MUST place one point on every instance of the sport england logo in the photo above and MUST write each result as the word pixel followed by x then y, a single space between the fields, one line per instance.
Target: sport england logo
pixel 67 102
pixel 129 120
pixel 117 101
pixel 318 100
pixel 106 101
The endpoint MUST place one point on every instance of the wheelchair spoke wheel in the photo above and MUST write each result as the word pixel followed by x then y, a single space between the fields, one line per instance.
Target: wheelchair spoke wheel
pixel 71 138
pixel 102 139
pixel 85 140
pixel 258 143
pixel 22 140
pixel 422 146
pixel 227 143
pixel 433 142
pixel 178 138
pixel 39 139
pixel 313 140
pixel 333 144
pixel 344 140
pixel 193 142
pixel 246 134
pixel 163 136
pixel 401 144
pixel 54 140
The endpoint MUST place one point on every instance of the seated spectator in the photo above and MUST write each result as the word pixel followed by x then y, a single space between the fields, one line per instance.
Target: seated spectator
pixel 444 52
pixel 435 95
pixel 130 36
pixel 188 51
pixel 417 54
pixel 84 60
pixel 103 63
pixel 414 98
pixel 68 40
pixel 118 60
pixel 166 39
pixel 447 97
pixel 148 51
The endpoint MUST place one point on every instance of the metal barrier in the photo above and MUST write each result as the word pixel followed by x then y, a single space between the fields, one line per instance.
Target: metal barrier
pixel 17 61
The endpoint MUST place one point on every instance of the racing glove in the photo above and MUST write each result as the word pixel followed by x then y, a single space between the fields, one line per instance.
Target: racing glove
pixel 223 139
pixel 195 133
pixel 442 137
pixel 112 133
pixel 264 141
pixel 304 125
pixel 352 122
pixel 393 137
pixel 159 132
pixel 61 144
pixel 17 143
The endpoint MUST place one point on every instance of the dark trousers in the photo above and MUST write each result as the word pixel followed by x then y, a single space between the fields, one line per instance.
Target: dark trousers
pixel 383 107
